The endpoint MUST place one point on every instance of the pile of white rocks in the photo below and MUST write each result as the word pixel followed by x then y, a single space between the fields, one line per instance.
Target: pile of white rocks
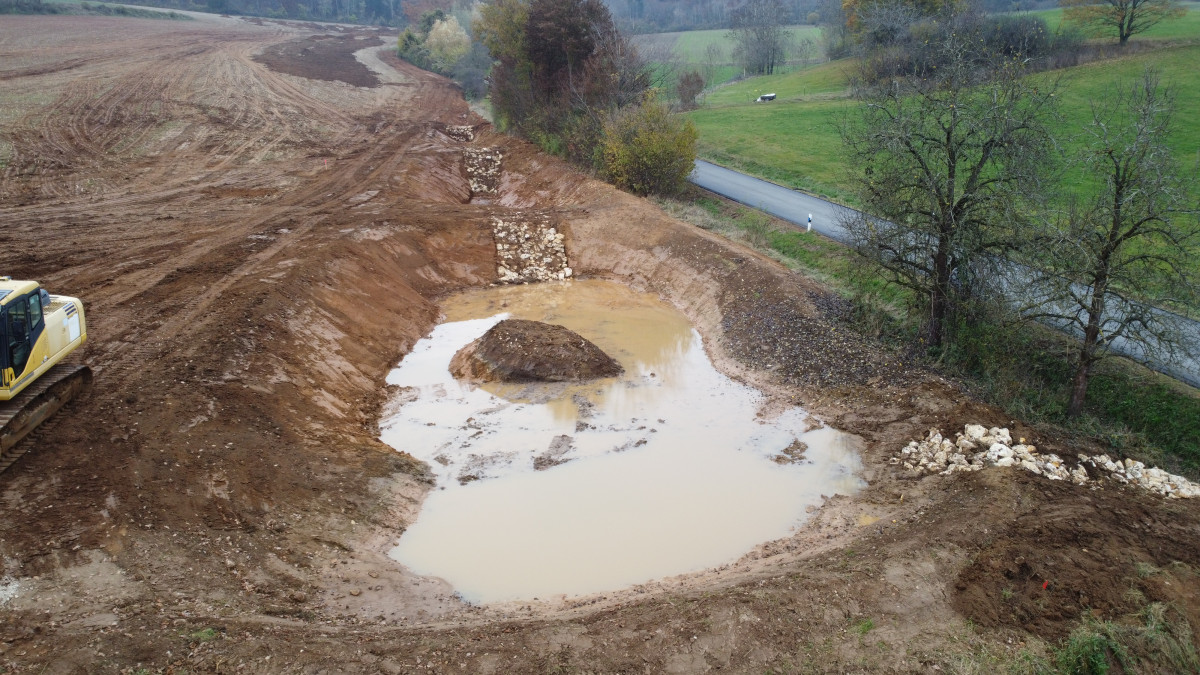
pixel 461 133
pixel 976 447
pixel 483 170
pixel 529 249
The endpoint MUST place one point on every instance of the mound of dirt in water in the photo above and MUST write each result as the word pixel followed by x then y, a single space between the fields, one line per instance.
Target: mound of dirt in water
pixel 517 350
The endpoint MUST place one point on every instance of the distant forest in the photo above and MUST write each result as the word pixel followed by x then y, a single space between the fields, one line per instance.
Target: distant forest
pixel 371 12
pixel 631 16
pixel 658 16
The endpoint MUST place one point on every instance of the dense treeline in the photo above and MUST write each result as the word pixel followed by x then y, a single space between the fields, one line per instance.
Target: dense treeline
pixel 902 38
pixel 376 12
pixel 629 15
pixel 94 8
pixel 564 77
pixel 655 16
pixel 561 74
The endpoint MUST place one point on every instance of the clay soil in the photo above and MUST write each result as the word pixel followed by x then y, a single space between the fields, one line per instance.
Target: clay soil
pixel 259 236
pixel 519 350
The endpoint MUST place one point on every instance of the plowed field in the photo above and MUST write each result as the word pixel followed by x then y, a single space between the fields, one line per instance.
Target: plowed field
pixel 261 226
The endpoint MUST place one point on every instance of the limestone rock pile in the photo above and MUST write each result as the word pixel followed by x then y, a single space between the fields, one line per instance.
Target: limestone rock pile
pixel 1152 478
pixel 461 133
pixel 976 447
pixel 483 170
pixel 529 249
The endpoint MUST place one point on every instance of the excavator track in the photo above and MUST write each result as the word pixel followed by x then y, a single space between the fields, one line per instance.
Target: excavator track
pixel 21 415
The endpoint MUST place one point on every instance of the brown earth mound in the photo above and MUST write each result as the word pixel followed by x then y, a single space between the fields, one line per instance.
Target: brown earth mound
pixel 518 350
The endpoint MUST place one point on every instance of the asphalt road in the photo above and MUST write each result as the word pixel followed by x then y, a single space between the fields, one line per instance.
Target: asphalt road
pixel 796 207
pixel 790 205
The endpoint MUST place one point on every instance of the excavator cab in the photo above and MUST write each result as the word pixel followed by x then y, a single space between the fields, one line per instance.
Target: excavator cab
pixel 37 332
pixel 21 322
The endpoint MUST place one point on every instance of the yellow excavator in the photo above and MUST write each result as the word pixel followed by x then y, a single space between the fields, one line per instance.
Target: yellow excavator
pixel 37 331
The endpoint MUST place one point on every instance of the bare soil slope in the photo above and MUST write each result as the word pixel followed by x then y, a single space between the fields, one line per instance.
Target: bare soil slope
pixel 259 236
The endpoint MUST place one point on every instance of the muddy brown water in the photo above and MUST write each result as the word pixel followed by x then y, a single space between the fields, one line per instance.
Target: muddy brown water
pixel 554 490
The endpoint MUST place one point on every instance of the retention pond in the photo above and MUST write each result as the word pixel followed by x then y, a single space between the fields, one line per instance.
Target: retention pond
pixel 546 490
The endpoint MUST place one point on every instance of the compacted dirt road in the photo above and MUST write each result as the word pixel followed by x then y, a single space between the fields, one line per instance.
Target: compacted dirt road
pixel 261 225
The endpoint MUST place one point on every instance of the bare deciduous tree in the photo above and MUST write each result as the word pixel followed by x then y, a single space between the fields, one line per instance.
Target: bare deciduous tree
pixel 948 160
pixel 1126 17
pixel 1133 246
pixel 760 40
pixel 714 58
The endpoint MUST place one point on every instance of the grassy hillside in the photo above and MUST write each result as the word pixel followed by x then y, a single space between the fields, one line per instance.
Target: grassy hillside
pixel 691 49
pixel 1178 69
pixel 794 144
pixel 794 140
pixel 1187 28
pixel 824 81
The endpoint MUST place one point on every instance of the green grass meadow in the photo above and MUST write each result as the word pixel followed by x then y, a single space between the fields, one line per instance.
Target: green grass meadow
pixel 820 82
pixel 1177 67
pixel 794 144
pixel 690 49
pixel 1186 28
pixel 794 140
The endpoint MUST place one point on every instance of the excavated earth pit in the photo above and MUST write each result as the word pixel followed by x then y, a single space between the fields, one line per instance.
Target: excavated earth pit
pixel 563 489
pixel 258 244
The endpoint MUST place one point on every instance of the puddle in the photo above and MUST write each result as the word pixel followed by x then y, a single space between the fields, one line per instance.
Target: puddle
pixel 565 489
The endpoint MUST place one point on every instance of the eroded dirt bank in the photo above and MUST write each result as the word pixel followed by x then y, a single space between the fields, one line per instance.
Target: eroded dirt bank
pixel 257 244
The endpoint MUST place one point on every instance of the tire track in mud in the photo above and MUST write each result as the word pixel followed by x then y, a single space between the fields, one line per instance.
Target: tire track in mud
pixel 96 114
pixel 179 287
pixel 91 120
pixel 229 93
pixel 41 70
pixel 338 189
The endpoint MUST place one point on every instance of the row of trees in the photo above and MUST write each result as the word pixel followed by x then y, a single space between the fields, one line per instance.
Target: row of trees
pixel 759 42
pixel 1125 17
pixel 959 161
pixel 654 16
pixel 867 24
pixel 377 12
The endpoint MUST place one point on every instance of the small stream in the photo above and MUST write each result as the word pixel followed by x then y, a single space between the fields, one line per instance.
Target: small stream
pixel 547 490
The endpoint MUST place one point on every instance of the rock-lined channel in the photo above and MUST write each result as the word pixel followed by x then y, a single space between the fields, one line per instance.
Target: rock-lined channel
pixel 552 489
